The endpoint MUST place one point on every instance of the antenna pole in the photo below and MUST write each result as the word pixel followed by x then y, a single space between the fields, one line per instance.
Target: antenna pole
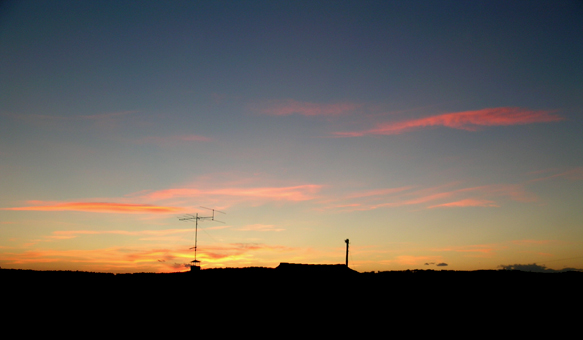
pixel 195 237
pixel 346 252
pixel 195 266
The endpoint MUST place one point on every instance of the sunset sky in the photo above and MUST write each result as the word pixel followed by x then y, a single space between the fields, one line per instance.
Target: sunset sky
pixel 432 134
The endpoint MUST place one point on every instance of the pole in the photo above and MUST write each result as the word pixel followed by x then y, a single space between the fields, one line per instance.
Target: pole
pixel 346 252
pixel 195 238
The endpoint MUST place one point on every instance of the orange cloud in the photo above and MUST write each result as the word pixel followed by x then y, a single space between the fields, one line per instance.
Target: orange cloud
pixel 466 203
pixel 67 234
pixel 260 227
pixel 144 259
pixel 104 207
pixel 466 120
pixel 288 107
pixel 106 260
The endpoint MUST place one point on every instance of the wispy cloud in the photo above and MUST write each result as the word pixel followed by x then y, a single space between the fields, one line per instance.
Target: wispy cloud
pixel 290 106
pixel 533 267
pixel 479 249
pixel 466 120
pixel 290 193
pixel 173 140
pixel 442 196
pixel 379 192
pixel 101 118
pixel 536 242
pixel 68 234
pixel 102 207
pixel 113 259
pixel 260 227
pixel 207 191
pixel 574 174
pixel 466 203
pixel 140 259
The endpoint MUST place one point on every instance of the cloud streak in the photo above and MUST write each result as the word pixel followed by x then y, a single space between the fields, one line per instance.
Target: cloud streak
pixel 68 234
pixel 466 203
pixel 574 174
pixel 102 207
pixel 466 120
pixel 290 193
pixel 436 197
pixel 172 140
pixel 290 106
pixel 260 227
pixel 39 118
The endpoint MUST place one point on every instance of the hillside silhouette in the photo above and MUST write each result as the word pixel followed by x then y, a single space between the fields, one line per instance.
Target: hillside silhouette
pixel 285 280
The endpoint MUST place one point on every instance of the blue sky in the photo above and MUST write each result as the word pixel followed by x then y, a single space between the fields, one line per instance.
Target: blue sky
pixel 425 132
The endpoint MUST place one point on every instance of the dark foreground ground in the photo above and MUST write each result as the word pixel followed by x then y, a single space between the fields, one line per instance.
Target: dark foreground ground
pixel 301 282
pixel 267 302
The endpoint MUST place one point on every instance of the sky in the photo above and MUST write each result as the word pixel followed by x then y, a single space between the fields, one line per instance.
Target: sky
pixel 431 134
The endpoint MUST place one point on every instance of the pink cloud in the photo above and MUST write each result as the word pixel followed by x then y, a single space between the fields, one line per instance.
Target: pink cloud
pixel 466 120
pixel 104 207
pixel 393 197
pixel 290 193
pixel 288 107
pixel 414 201
pixel 575 174
pixel 435 197
pixel 515 192
pixel 466 203
pixel 379 192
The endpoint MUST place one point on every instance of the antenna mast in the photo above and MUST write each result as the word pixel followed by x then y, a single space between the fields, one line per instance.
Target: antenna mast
pixel 195 266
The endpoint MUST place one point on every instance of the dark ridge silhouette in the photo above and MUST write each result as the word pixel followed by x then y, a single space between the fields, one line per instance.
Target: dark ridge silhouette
pixel 314 269
pixel 284 274
pixel 275 293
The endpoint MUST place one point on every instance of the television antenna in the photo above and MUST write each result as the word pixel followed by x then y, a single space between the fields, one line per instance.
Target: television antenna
pixel 195 266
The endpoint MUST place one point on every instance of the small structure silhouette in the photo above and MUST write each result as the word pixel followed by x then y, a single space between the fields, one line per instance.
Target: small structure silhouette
pixel 316 269
pixel 313 269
